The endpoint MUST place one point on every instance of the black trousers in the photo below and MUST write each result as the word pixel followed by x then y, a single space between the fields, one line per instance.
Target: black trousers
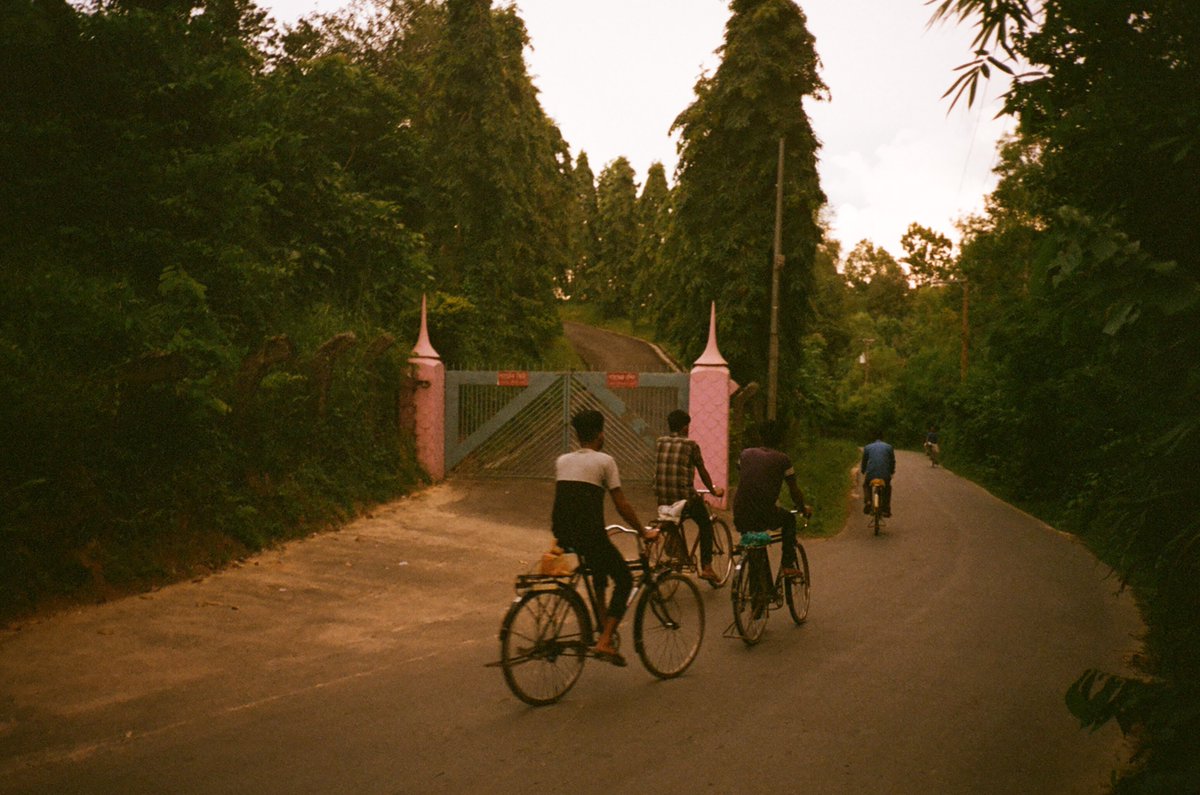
pixel 604 560
pixel 785 520
pixel 698 512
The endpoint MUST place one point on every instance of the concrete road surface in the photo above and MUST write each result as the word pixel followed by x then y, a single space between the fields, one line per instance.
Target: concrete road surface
pixel 934 661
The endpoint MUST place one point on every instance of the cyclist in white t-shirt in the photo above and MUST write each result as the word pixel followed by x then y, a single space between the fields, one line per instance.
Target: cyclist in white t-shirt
pixel 582 479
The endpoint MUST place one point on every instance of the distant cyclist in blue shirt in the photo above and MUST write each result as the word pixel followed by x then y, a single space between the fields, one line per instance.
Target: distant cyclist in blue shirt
pixel 878 461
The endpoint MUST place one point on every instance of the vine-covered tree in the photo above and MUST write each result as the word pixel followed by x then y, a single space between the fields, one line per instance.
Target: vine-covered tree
pixel 501 182
pixel 721 240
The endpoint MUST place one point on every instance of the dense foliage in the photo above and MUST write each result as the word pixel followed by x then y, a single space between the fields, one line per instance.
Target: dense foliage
pixel 212 235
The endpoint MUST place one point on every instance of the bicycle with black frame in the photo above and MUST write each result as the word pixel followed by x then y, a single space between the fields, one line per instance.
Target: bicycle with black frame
pixel 680 547
pixel 755 592
pixel 550 626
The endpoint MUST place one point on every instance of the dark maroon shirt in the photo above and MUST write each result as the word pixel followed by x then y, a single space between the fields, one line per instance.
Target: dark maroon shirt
pixel 762 474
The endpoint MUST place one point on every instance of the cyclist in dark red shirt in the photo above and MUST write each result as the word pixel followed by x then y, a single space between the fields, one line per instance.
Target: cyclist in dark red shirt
pixel 764 470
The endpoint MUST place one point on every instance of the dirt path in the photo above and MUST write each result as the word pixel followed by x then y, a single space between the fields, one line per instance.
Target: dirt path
pixel 605 350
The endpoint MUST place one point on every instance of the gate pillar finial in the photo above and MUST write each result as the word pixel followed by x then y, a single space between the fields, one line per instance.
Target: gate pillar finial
pixel 429 403
pixel 708 403
pixel 424 349
pixel 712 355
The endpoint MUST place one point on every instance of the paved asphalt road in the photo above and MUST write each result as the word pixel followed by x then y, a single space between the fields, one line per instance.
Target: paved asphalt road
pixel 934 661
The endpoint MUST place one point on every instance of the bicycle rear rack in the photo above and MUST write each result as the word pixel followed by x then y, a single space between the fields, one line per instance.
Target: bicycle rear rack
pixel 534 582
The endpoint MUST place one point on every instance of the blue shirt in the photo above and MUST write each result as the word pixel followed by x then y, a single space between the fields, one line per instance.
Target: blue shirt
pixel 878 460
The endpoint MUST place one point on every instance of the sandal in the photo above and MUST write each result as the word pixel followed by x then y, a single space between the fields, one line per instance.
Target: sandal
pixel 613 657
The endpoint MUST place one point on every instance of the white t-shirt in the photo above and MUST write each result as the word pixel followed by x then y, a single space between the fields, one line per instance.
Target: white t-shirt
pixel 588 466
pixel 582 478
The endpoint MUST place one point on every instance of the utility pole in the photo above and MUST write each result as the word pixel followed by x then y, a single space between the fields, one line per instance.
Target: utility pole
pixel 966 331
pixel 776 270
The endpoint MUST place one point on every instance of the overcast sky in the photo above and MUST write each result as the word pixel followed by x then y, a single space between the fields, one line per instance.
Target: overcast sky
pixel 614 74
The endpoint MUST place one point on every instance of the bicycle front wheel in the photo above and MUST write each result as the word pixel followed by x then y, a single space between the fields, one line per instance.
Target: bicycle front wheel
pixel 722 560
pixel 750 604
pixel 798 588
pixel 668 625
pixel 543 643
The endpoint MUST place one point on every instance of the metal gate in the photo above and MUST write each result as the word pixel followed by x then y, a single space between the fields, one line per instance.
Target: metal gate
pixel 513 424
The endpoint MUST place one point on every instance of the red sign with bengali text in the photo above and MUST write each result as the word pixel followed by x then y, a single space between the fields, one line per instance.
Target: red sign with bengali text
pixel 622 380
pixel 512 378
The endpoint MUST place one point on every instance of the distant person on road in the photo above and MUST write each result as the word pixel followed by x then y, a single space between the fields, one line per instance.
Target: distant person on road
pixel 582 478
pixel 932 449
pixel 678 461
pixel 764 470
pixel 878 461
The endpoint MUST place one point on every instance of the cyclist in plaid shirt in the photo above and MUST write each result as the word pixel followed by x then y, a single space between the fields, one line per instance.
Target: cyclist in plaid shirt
pixel 678 458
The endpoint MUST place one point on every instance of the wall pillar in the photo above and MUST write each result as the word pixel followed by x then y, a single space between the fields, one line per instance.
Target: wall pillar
pixel 429 403
pixel 709 388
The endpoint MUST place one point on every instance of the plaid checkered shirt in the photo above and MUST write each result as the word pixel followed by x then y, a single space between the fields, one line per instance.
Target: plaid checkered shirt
pixel 677 458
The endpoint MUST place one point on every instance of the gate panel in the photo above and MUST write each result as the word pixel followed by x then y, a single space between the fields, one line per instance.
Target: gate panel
pixel 497 430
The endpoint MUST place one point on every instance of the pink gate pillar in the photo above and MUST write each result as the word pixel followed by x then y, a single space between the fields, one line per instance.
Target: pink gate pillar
pixel 709 389
pixel 429 403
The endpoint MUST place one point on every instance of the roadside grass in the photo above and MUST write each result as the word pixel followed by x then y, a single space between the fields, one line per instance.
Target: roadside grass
pixel 592 315
pixel 823 473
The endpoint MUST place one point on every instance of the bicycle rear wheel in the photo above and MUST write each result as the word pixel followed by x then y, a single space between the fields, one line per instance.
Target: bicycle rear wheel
pixel 668 625
pixel 722 560
pixel 798 588
pixel 543 643
pixel 750 604
pixel 876 507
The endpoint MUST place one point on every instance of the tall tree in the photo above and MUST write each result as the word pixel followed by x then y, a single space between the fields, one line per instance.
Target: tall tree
pixel 721 239
pixel 584 226
pixel 653 222
pixel 878 284
pixel 929 255
pixel 501 182
pixel 616 237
